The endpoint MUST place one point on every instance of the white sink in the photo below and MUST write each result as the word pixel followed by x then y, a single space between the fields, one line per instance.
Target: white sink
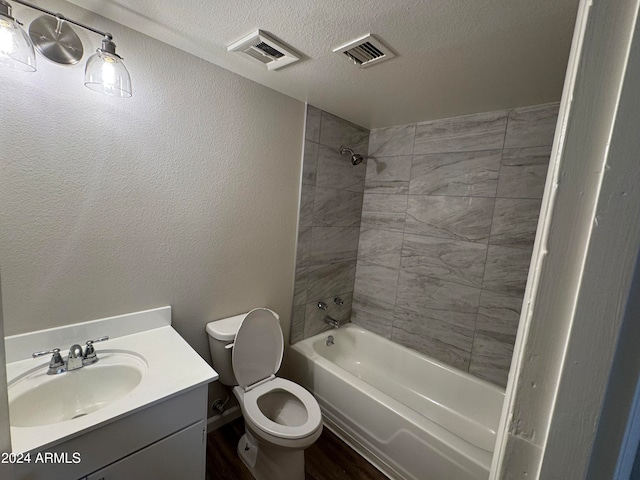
pixel 144 363
pixel 37 399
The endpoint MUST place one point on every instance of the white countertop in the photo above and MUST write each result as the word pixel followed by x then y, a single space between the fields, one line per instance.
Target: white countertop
pixel 172 367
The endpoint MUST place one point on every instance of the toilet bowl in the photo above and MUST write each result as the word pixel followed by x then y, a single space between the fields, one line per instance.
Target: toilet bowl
pixel 281 417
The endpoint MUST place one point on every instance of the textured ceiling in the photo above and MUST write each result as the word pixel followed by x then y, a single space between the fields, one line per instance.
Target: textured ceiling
pixel 454 57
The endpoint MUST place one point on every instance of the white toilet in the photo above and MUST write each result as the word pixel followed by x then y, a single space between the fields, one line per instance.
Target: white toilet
pixel 281 417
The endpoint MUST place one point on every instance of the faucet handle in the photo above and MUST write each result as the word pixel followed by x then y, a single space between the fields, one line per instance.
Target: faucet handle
pixel 100 339
pixel 54 351
pixel 322 305
pixel 56 365
pixel 90 352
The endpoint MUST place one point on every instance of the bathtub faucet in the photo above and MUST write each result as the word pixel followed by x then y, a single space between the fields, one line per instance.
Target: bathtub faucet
pixel 331 321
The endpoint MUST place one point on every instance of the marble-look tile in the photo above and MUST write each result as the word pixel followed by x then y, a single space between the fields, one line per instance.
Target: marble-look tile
pixel 444 341
pixel 314 317
pixel 330 279
pixel 300 286
pixel 336 132
pixel 495 336
pixel 333 244
pixel 531 126
pixel 380 247
pixel 493 368
pixel 338 208
pixel 462 174
pixel 312 129
pixel 482 131
pixel 388 175
pixel 376 281
pixel 336 171
pixel 457 218
pixel 514 222
pixel 420 293
pixel 304 247
pixel 506 270
pixel 385 212
pixel 373 305
pixel 392 141
pixel 309 163
pixel 297 323
pixel 444 259
pixel 307 198
pixel 498 318
pixel 524 172
pixel 372 314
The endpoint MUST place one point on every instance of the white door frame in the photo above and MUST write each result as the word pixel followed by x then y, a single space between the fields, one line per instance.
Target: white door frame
pixel 577 298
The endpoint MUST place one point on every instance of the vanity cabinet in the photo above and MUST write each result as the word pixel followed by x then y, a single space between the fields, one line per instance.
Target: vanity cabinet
pixel 177 456
pixel 165 441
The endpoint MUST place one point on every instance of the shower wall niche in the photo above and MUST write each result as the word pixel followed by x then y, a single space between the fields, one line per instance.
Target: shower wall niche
pixel 329 225
pixel 429 243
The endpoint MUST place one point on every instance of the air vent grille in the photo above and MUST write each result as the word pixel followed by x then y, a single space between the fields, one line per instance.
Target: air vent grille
pixel 365 51
pixel 261 47
pixel 269 50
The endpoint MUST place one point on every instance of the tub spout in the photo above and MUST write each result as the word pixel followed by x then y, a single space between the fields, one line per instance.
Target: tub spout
pixel 332 321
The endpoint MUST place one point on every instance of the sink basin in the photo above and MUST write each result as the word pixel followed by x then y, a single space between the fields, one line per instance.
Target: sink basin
pixel 37 399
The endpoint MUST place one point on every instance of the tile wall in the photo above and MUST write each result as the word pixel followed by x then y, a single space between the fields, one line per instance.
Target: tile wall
pixel 449 215
pixel 330 213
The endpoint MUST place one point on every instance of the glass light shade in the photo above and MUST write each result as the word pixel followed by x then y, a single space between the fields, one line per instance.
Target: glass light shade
pixel 16 49
pixel 105 73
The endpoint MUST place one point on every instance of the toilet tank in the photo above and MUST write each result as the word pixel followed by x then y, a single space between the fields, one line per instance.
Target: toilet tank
pixel 222 333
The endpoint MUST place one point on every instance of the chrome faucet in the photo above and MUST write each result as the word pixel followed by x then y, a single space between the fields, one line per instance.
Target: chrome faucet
pixel 331 321
pixel 75 360
pixel 56 365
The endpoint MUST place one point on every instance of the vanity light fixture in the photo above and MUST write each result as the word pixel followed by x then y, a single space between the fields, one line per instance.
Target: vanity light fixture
pixel 16 50
pixel 55 39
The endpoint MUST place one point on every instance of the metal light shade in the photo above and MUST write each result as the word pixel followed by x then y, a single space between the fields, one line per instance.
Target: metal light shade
pixel 16 49
pixel 105 72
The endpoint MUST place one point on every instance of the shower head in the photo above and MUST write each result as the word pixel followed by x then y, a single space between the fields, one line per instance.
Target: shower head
pixel 356 158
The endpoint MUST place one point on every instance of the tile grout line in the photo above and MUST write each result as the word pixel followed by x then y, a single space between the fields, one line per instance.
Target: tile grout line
pixel 364 183
pixel 475 329
pixel 404 229
pixel 304 318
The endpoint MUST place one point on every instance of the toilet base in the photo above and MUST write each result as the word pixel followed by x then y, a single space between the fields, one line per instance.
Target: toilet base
pixel 268 462
pixel 247 452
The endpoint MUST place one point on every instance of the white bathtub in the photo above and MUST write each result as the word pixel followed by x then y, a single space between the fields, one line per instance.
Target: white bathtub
pixel 410 415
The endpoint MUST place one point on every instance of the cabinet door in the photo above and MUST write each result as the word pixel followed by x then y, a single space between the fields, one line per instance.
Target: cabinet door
pixel 181 455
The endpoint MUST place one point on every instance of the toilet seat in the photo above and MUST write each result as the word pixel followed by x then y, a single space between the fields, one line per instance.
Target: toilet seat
pixel 256 358
pixel 259 420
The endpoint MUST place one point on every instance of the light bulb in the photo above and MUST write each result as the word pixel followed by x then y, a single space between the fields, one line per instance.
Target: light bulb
pixel 16 49
pixel 106 73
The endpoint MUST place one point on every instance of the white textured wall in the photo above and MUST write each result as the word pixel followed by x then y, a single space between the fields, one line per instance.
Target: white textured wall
pixel 184 195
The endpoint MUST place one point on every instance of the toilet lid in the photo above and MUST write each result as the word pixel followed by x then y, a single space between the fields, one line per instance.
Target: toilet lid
pixel 258 347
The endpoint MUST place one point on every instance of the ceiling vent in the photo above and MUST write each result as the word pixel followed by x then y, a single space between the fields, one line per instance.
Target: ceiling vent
pixel 262 48
pixel 366 51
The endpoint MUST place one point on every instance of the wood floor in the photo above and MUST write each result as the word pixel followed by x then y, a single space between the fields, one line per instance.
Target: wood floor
pixel 327 459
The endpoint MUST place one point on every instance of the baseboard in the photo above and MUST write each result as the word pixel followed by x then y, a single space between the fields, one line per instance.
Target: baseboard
pixel 229 415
